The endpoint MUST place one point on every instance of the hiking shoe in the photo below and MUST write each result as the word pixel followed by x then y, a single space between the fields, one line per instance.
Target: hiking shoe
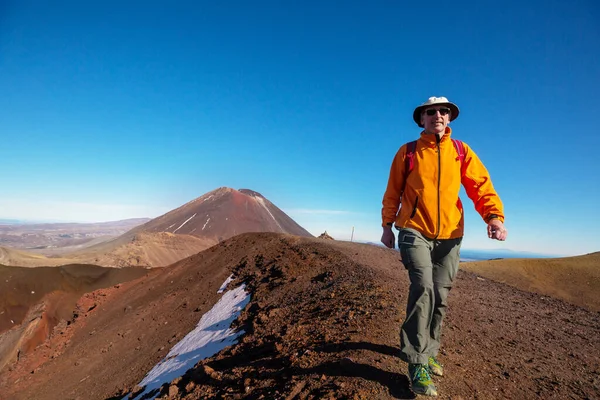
pixel 435 367
pixel 420 380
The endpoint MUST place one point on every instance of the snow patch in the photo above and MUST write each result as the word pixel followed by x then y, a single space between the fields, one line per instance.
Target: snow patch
pixel 185 222
pixel 211 335
pixel 224 285
pixel 206 223
pixel 262 203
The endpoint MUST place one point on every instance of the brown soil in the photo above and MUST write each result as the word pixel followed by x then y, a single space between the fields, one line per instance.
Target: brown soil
pixel 152 250
pixel 322 323
pixel 22 288
pixel 34 300
pixel 13 257
pixel 573 279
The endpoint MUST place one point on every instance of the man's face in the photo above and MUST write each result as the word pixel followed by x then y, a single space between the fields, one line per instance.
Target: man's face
pixel 435 119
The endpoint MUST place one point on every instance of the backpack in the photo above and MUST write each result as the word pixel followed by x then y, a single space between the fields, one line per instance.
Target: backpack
pixel 409 160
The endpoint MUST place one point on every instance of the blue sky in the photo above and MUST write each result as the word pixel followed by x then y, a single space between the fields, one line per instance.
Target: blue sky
pixel 112 110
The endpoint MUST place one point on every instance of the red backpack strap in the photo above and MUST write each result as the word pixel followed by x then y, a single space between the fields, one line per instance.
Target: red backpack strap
pixel 409 160
pixel 460 150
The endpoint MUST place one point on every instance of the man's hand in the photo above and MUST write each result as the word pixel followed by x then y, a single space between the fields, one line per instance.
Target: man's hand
pixel 496 230
pixel 388 238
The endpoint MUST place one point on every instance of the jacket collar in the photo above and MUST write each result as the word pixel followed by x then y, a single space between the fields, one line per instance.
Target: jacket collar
pixel 430 139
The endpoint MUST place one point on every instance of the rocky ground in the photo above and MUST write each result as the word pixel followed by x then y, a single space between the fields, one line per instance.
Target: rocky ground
pixel 322 323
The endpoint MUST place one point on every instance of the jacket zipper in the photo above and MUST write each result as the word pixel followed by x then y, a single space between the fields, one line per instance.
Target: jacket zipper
pixel 439 183
pixel 414 211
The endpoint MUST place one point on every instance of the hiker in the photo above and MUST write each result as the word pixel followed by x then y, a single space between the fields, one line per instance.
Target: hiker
pixel 425 178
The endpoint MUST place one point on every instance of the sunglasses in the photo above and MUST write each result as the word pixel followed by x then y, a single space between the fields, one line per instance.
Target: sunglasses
pixel 432 111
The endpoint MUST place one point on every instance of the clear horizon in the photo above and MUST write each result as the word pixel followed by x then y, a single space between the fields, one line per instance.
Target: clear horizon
pixel 485 252
pixel 113 111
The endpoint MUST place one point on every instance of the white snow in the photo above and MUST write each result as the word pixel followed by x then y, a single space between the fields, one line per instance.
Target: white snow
pixel 211 335
pixel 262 203
pixel 172 225
pixel 207 198
pixel 206 223
pixel 185 222
pixel 224 285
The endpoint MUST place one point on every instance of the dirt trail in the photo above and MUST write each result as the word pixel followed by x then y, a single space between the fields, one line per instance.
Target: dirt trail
pixel 322 323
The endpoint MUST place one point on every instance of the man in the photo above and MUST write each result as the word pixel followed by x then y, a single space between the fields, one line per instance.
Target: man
pixel 425 177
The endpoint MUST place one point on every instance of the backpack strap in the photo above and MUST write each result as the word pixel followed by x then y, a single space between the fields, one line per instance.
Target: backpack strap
pixel 409 158
pixel 409 161
pixel 460 150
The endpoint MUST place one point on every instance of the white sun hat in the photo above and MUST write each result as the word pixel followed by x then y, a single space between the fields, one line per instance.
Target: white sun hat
pixel 434 101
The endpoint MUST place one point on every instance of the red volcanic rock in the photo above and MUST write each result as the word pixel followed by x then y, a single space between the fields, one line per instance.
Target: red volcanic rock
pixel 224 213
pixel 322 323
pixel 325 235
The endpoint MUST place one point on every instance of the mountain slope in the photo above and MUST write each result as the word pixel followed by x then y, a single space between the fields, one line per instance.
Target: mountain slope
pixel 144 249
pixel 186 230
pixel 322 323
pixel 224 213
pixel 34 300
pixel 10 256
pixel 573 279
pixel 193 227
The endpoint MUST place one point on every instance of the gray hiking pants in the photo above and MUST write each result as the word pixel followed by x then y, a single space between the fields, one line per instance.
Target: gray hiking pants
pixel 432 266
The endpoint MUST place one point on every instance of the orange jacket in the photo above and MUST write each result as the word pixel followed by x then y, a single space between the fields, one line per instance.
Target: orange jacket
pixel 430 203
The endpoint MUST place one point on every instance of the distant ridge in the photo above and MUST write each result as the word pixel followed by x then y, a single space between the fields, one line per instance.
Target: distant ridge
pixel 11 222
pixel 195 226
